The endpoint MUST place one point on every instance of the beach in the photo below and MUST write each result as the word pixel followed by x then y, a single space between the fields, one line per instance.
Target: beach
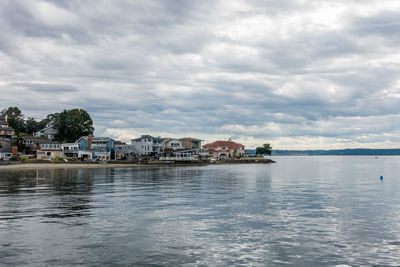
pixel 67 166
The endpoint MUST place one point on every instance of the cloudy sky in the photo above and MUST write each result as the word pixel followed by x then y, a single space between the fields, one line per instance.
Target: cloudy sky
pixel 299 74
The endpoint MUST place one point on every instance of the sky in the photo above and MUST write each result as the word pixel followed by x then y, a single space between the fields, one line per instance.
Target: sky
pixel 298 74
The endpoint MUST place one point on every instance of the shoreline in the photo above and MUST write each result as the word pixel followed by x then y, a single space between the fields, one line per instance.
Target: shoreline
pixel 27 166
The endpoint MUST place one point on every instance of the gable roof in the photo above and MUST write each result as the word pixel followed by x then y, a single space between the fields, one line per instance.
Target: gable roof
pixel 48 127
pixel 5 146
pixel 228 144
pixel 35 138
pixel 146 136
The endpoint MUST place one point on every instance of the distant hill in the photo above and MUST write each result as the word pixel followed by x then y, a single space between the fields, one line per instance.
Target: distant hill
pixel 339 152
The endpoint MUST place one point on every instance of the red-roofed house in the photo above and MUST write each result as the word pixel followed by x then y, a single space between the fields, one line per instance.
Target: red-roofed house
pixel 225 149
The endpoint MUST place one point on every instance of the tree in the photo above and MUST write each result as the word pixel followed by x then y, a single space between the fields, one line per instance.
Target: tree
pixel 72 124
pixel 266 149
pixel 32 125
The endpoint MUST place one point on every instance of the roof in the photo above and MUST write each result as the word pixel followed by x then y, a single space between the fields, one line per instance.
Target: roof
pixel 69 144
pixel 45 128
pixel 5 146
pixel 49 142
pixel 228 144
pixel 42 138
pixel 94 138
pixel 147 136
pixel 101 138
pixel 190 139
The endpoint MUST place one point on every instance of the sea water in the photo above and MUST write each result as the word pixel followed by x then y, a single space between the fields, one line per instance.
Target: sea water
pixel 304 211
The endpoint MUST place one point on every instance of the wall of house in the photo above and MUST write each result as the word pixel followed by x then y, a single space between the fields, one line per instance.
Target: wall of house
pixel 48 154
pixel 145 146
pixel 174 144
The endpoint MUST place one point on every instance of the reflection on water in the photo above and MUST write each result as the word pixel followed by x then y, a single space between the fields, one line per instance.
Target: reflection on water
pixel 308 211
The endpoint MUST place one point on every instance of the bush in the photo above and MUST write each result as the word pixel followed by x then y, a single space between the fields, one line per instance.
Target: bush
pixel 57 159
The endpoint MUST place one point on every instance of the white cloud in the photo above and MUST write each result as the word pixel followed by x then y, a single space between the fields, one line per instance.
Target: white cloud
pixel 298 74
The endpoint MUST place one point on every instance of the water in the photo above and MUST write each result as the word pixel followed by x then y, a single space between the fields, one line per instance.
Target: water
pixel 303 211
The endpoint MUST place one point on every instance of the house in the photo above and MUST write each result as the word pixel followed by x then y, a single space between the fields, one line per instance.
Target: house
pixel 190 143
pixel 185 149
pixel 148 145
pixel 49 149
pixel 72 150
pixel 6 132
pixel 225 149
pixel 5 150
pixel 172 144
pixel 31 144
pixel 49 132
pixel 102 148
pixel 123 150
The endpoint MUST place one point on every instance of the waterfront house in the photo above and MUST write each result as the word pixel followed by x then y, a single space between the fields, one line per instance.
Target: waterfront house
pixel 190 143
pixel 184 149
pixel 49 132
pixel 7 133
pixel 123 150
pixel 148 145
pixel 49 149
pixel 172 144
pixel 5 150
pixel 225 149
pixel 102 148
pixel 31 144
pixel 72 150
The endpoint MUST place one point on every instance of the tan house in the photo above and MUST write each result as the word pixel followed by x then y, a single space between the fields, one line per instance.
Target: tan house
pixel 49 150
pixel 225 149
pixel 190 143
pixel 6 132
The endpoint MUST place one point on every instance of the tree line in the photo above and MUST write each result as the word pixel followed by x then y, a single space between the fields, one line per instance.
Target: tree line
pixel 71 124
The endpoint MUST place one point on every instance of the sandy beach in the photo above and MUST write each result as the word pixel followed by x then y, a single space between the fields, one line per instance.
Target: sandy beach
pixel 65 166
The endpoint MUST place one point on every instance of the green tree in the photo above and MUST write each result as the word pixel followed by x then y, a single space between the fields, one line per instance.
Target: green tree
pixel 32 125
pixel 266 149
pixel 72 124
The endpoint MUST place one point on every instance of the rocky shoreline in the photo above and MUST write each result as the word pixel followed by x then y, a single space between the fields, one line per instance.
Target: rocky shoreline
pixel 6 165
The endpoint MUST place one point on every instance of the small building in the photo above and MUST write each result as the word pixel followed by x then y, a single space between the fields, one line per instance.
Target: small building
pixel 5 150
pixel 49 150
pixel 148 145
pixel 225 149
pixel 7 133
pixel 49 132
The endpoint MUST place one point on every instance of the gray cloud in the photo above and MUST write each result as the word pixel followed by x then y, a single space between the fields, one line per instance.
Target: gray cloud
pixel 292 73
pixel 46 88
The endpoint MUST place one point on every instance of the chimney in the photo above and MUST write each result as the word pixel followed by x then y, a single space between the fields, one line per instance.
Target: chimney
pixel 6 118
pixel 90 139
pixel 14 150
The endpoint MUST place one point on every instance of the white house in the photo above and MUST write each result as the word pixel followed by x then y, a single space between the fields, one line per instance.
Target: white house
pixel 72 150
pixel 172 144
pixel 148 144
